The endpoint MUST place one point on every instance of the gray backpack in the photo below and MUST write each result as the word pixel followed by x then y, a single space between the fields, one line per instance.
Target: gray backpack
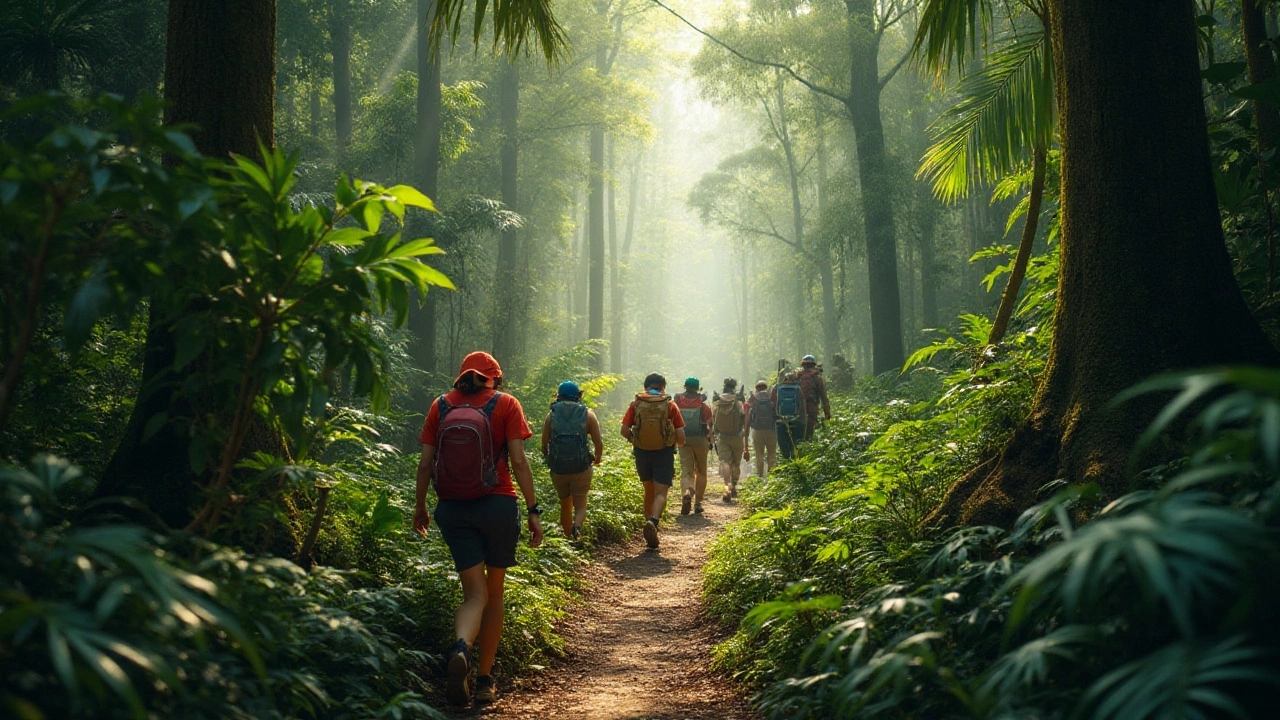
pixel 568 452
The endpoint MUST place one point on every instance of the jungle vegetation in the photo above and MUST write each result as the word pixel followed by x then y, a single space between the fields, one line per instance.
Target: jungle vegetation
pixel 246 242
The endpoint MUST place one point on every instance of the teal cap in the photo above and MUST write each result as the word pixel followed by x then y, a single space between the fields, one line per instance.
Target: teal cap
pixel 692 382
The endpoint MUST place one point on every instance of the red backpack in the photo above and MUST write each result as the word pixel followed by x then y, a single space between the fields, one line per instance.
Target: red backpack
pixel 809 386
pixel 466 464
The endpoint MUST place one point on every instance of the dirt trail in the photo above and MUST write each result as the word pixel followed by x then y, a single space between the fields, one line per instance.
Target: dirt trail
pixel 639 648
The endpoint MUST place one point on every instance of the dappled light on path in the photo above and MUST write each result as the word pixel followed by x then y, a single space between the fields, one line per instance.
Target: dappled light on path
pixel 639 647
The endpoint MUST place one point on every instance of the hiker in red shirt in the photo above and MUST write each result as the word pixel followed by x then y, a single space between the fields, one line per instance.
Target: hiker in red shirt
pixel 472 444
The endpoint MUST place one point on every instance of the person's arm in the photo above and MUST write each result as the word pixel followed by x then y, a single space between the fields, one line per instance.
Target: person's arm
pixel 523 474
pixel 597 437
pixel 680 437
pixel 546 434
pixel 426 464
pixel 746 422
pixel 822 393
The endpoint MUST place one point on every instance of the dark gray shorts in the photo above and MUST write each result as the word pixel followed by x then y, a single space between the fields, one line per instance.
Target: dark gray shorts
pixel 480 531
pixel 657 466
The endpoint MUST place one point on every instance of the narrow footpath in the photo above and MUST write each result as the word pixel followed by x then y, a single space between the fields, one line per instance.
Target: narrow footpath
pixel 639 646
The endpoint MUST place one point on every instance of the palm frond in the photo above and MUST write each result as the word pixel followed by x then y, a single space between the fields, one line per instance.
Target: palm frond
pixel 516 23
pixel 1006 110
pixel 951 33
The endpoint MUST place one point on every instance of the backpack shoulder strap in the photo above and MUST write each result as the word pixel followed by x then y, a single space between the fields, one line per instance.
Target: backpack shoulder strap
pixel 489 406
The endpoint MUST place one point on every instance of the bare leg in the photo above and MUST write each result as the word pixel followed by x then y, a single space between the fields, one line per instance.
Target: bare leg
pixel 475 594
pixel 579 509
pixel 566 516
pixel 491 626
pixel 658 504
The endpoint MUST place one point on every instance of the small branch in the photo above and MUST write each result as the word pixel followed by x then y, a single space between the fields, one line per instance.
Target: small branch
pixel 308 544
pixel 894 70
pixel 754 61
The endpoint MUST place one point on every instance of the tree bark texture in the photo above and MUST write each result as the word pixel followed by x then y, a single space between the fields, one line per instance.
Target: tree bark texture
pixel 340 48
pixel 1146 284
pixel 874 175
pixel 426 176
pixel 507 289
pixel 220 77
pixel 1009 299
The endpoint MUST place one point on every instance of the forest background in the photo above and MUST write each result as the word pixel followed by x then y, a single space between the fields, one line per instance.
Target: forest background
pixel 246 351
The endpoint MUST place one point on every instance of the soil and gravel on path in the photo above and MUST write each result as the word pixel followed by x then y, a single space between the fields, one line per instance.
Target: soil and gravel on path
pixel 639 645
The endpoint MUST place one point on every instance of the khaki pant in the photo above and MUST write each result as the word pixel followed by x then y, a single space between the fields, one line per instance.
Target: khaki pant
pixel 730 448
pixel 765 443
pixel 693 468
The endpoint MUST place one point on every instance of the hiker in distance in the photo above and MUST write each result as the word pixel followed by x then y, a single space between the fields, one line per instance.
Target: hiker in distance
pixel 814 389
pixel 790 411
pixel 568 426
pixel 761 434
pixel 655 428
pixel 697 445
pixel 472 444
pixel 730 421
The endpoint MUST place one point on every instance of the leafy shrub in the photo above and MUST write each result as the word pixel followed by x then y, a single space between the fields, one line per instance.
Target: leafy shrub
pixel 1154 608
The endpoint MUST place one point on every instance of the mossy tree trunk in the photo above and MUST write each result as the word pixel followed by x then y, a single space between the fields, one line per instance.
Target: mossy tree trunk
pixel 426 174
pixel 219 77
pixel 1146 284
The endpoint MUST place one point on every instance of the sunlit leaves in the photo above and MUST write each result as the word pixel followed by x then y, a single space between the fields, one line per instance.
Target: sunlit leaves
pixel 1006 108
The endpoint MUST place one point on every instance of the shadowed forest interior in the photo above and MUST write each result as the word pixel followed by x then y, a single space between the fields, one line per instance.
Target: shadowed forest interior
pixel 1031 245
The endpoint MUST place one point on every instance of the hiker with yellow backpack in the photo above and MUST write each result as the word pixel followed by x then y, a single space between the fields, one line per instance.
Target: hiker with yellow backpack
pixel 655 428
pixel 729 422
pixel 697 445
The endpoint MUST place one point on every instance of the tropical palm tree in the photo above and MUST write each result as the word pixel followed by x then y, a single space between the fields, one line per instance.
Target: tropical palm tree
pixel 41 41
pixel 1006 109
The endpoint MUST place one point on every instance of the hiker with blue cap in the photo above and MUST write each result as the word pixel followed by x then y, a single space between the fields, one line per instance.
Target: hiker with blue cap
pixel 564 448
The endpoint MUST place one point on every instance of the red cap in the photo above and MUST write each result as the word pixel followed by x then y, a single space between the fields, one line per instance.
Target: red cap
pixel 482 364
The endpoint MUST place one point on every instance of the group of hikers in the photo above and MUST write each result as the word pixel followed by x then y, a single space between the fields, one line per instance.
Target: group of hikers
pixel 473 456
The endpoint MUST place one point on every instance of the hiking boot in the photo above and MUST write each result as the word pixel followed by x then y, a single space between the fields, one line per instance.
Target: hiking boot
pixel 685 503
pixel 576 533
pixel 727 497
pixel 697 509
pixel 651 534
pixel 733 492
pixel 459 686
pixel 486 691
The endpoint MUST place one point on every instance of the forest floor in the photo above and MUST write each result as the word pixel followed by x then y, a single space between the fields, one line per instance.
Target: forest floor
pixel 638 647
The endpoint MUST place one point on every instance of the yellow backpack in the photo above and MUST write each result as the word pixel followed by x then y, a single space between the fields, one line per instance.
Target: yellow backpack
pixel 652 428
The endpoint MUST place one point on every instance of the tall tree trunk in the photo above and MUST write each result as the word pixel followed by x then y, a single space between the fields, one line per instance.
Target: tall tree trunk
pixel 340 48
pixel 595 223
pixel 928 214
pixel 507 288
pixel 619 288
pixel 1146 284
pixel 615 266
pixel 426 175
pixel 581 293
pixel 875 179
pixel 745 338
pixel 219 77
pixel 1009 300
pixel 1262 67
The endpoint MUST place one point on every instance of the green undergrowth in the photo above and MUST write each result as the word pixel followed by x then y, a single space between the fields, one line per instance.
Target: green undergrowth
pixel 1151 605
